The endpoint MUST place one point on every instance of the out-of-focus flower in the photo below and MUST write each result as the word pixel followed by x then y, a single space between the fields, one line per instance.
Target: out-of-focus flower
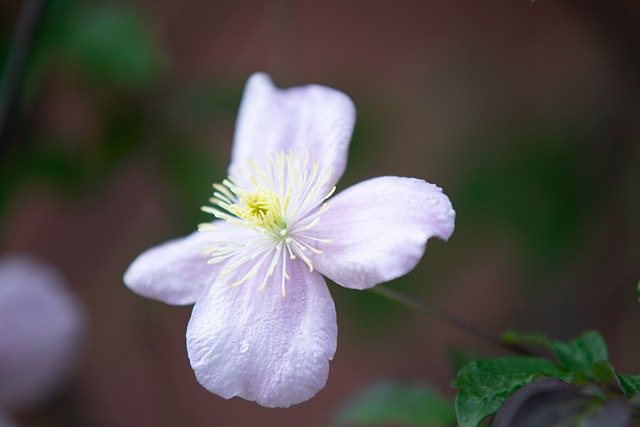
pixel 4 421
pixel 41 330
pixel 264 324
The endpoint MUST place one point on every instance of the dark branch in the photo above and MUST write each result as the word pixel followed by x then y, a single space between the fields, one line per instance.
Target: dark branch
pixel 450 318
pixel 16 61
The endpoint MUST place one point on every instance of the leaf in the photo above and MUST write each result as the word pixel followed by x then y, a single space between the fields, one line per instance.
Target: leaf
pixel 581 353
pixel 603 372
pixel 485 384
pixel 578 355
pixel 630 384
pixel 396 403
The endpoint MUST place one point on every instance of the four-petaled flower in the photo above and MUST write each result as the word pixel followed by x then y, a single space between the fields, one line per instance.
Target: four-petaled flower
pixel 264 325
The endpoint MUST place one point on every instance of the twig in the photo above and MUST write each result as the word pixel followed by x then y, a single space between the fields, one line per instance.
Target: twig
pixel 452 319
pixel 16 61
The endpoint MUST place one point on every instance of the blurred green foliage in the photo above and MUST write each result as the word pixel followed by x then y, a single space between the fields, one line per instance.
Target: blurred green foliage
pixel 537 182
pixel 108 52
pixel 109 43
pixel 394 403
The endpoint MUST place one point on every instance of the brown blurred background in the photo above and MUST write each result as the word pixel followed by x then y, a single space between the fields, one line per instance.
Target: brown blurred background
pixel 527 113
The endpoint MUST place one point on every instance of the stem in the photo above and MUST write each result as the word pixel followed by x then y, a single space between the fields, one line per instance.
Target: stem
pixel 452 319
pixel 16 61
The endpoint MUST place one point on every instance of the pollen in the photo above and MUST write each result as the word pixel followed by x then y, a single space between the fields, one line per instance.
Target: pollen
pixel 280 200
pixel 260 207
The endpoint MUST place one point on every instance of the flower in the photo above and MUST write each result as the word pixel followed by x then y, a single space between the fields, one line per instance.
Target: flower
pixel 264 325
pixel 41 331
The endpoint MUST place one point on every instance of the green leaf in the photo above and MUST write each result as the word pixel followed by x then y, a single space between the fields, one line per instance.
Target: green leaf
pixel 630 384
pixel 578 355
pixel 485 384
pixel 396 403
pixel 581 353
pixel 603 372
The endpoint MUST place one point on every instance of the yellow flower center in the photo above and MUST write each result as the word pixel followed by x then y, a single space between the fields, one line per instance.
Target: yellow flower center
pixel 281 200
pixel 261 208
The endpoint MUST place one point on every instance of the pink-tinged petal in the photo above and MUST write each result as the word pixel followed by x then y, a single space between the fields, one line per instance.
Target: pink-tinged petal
pixel 176 272
pixel 262 346
pixel 379 230
pixel 41 331
pixel 309 118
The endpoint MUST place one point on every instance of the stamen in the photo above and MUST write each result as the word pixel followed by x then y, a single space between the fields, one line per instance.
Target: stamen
pixel 313 224
pixel 316 239
pixel 330 193
pixel 285 277
pixel 279 200
pixel 206 226
pixel 209 209
pixel 272 266
pixel 224 190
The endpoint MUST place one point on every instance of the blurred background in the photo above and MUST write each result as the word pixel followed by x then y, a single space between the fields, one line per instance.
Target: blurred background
pixel 527 113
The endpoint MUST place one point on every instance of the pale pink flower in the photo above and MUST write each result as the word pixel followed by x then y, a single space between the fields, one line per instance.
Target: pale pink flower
pixel 42 327
pixel 264 325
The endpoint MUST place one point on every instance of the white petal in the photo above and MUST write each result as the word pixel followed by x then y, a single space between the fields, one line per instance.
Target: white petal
pixel 176 272
pixel 262 346
pixel 41 331
pixel 313 117
pixel 379 229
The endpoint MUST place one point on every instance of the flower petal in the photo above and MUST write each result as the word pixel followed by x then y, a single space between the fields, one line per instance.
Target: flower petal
pixel 42 327
pixel 262 346
pixel 310 118
pixel 379 229
pixel 176 272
